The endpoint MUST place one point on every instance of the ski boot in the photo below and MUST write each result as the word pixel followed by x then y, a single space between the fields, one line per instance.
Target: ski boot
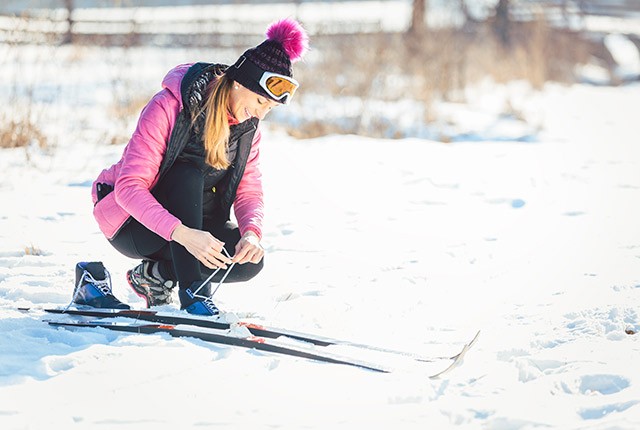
pixel 198 302
pixel 155 290
pixel 93 287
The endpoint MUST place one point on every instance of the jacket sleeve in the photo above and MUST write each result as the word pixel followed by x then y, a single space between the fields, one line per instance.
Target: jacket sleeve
pixel 141 164
pixel 248 204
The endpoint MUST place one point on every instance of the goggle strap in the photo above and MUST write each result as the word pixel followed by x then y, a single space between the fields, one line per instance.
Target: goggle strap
pixel 240 61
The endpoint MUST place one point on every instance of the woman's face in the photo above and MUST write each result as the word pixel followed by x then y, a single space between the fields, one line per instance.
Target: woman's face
pixel 244 104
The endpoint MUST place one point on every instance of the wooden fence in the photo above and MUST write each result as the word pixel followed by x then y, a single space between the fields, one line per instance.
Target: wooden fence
pixel 235 25
pixel 227 25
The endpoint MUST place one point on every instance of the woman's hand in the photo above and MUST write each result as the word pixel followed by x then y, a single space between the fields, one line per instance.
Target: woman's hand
pixel 248 249
pixel 202 245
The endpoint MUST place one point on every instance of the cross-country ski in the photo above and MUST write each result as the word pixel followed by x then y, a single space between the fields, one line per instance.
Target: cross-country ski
pixel 225 321
pixel 226 337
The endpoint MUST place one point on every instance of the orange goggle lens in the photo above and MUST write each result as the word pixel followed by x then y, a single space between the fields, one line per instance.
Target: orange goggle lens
pixel 280 86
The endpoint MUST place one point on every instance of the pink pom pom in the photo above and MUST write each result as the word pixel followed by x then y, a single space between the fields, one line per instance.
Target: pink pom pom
pixel 291 35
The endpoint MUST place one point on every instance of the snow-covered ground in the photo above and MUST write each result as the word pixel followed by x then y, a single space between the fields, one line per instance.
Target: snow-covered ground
pixel 410 244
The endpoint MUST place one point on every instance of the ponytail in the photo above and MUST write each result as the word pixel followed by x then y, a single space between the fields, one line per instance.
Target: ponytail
pixel 216 127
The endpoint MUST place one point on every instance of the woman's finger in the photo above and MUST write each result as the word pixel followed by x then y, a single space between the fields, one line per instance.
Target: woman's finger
pixel 241 255
pixel 207 263
pixel 257 256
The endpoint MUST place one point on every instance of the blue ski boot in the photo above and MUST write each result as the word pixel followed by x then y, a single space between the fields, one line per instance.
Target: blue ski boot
pixel 93 287
pixel 198 303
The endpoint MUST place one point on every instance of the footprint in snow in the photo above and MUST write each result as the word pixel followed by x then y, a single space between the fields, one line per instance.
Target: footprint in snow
pixel 603 384
pixel 603 411
pixel 614 322
pixel 514 203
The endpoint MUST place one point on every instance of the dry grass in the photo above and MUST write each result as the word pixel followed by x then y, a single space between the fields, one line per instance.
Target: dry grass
pixel 427 67
pixel 435 65
pixel 33 250
pixel 21 132
pixel 125 108
pixel 317 129
pixel 127 101
pixel 20 114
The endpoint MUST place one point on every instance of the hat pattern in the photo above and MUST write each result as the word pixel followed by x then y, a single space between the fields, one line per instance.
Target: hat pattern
pixel 270 56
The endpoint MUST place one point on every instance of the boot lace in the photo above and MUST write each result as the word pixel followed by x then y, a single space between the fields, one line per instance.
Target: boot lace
pixel 104 285
pixel 205 301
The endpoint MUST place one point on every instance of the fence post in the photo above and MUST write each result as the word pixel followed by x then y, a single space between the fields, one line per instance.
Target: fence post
pixel 68 37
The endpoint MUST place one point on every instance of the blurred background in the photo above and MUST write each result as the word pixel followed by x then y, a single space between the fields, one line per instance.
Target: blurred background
pixel 81 70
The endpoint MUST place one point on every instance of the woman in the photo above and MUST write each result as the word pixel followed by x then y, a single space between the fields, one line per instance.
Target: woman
pixel 193 155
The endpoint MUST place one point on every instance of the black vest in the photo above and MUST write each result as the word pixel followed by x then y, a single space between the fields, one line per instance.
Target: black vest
pixel 217 202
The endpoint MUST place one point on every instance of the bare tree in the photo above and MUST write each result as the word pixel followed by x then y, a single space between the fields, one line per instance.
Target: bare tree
pixel 502 23
pixel 418 16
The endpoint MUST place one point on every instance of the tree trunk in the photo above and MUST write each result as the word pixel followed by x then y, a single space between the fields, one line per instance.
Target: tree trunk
pixel 502 23
pixel 418 16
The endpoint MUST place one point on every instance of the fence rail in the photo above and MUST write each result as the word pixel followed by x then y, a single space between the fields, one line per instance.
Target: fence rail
pixel 219 25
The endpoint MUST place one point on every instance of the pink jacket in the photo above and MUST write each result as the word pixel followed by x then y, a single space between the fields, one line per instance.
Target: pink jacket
pixel 135 174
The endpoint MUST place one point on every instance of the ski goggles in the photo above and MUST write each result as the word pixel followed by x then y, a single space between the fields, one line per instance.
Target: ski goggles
pixel 278 87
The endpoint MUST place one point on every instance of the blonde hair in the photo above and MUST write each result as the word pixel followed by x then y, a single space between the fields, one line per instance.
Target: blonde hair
pixel 216 126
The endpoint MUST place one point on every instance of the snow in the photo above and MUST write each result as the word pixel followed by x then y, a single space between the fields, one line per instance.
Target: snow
pixel 625 54
pixel 412 244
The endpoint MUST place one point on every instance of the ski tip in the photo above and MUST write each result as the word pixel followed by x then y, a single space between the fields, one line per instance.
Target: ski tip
pixel 457 359
pixel 475 339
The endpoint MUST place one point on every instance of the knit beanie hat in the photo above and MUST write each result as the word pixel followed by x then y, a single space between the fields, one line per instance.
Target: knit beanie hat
pixel 286 43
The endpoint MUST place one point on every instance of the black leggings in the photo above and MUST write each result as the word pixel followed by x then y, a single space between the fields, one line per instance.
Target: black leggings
pixel 180 192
